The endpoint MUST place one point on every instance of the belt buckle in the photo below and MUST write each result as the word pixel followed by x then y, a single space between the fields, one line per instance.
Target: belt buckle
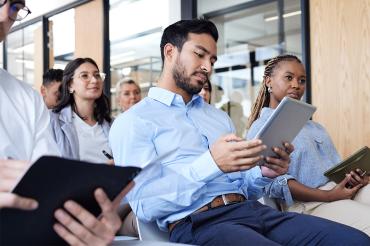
pixel 226 202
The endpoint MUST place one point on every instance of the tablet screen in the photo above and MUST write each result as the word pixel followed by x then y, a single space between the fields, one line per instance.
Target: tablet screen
pixel 284 124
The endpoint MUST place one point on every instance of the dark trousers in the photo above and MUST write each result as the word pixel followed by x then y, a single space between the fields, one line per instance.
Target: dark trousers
pixel 251 223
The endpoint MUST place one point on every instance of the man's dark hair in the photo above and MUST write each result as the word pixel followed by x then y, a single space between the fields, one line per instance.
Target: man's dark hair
pixel 102 108
pixel 52 75
pixel 177 33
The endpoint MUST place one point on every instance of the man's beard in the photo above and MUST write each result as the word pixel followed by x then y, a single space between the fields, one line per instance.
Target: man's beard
pixel 183 82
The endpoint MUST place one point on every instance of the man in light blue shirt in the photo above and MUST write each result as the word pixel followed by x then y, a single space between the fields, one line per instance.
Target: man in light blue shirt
pixel 200 181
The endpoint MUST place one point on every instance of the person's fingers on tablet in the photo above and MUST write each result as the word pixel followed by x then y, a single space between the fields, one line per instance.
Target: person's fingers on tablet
pixel 346 182
pixel 282 154
pixel 289 148
pixel 91 223
pixel 231 137
pixel 110 216
pixel 283 159
pixel 78 230
pixel 103 200
pixel 84 216
pixel 274 167
pixel 246 153
pixel 362 176
pixel 67 235
pixel 228 156
pixel 9 200
pixel 355 177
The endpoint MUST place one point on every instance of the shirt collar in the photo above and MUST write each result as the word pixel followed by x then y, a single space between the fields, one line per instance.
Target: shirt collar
pixel 170 98
pixel 266 112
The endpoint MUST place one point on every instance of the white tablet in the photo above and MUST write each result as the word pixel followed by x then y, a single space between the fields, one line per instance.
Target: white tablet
pixel 284 124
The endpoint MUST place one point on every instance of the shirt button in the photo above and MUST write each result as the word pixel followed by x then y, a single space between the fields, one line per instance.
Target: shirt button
pixel 283 181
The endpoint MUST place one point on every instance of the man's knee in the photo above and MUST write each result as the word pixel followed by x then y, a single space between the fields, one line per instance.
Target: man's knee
pixel 340 234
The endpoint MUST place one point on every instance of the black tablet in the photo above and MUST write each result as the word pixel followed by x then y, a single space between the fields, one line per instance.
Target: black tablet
pixel 52 181
pixel 358 160
pixel 284 124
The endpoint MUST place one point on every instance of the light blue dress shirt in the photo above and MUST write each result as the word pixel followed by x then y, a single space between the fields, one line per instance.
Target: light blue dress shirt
pixel 171 140
pixel 314 153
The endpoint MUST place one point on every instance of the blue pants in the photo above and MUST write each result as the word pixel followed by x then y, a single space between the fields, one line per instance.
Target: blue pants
pixel 251 223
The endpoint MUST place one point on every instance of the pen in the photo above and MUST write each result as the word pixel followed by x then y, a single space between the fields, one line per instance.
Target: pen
pixel 107 155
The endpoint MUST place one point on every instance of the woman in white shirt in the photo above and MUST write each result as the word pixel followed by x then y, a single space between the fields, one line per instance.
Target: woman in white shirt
pixel 81 121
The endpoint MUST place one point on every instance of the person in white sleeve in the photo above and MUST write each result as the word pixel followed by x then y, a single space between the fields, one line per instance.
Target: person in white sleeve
pixel 25 135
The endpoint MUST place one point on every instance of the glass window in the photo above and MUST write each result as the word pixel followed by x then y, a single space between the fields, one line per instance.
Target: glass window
pixel 134 42
pixel 21 53
pixel 205 6
pixel 62 38
pixel 292 26
pixel 248 39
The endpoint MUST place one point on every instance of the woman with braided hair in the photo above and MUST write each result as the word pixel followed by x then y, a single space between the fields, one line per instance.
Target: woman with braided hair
pixel 305 189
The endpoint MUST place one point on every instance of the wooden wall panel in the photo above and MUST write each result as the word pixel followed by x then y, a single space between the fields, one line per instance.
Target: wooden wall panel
pixel 51 44
pixel 340 62
pixel 89 31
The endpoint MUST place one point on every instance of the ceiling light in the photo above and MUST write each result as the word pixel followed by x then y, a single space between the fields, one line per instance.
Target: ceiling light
pixel 273 18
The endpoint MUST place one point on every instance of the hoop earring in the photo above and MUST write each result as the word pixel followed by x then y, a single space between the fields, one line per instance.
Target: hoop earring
pixel 269 89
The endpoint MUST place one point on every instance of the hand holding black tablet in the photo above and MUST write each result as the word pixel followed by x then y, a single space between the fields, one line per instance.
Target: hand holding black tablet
pixel 358 160
pixel 52 181
pixel 284 124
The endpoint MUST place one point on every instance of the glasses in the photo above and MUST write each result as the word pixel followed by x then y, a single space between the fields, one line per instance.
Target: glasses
pixel 88 76
pixel 17 10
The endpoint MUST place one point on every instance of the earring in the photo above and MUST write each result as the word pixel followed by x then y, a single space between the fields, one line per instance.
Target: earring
pixel 71 91
pixel 269 89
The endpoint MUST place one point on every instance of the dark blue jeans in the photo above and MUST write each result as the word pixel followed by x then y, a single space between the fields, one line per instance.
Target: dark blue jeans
pixel 251 223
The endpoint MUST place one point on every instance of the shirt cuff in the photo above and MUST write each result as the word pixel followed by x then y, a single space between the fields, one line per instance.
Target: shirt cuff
pixel 205 169
pixel 283 182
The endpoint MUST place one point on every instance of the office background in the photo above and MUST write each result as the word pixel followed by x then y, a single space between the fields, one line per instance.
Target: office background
pixel 331 37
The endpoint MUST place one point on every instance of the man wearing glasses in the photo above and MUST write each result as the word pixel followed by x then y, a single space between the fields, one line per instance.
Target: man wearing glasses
pixel 25 136
pixel 17 10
